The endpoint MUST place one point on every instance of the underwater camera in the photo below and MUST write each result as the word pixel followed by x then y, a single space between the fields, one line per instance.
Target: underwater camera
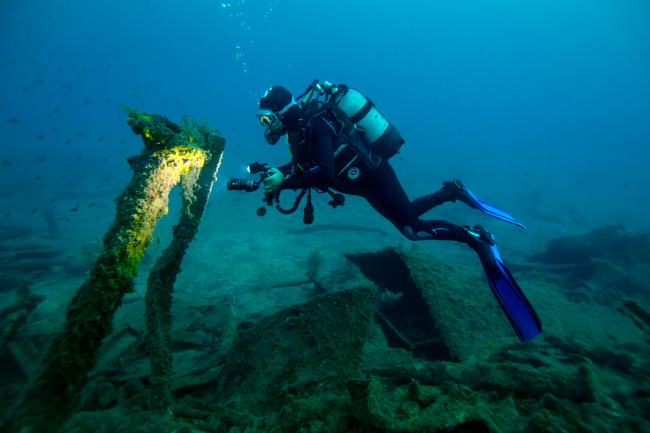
pixel 242 185
pixel 271 197
pixel 248 185
pixel 252 185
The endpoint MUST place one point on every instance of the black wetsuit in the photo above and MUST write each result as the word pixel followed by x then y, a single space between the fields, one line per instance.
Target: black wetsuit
pixel 380 188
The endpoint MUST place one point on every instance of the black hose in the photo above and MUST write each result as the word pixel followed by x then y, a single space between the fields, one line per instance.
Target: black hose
pixel 295 204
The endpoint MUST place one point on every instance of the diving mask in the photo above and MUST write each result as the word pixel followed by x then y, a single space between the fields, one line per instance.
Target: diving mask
pixel 271 120
pixel 268 118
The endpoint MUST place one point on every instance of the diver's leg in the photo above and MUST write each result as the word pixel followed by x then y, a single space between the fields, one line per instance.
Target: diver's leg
pixel 419 230
pixel 385 194
pixel 450 192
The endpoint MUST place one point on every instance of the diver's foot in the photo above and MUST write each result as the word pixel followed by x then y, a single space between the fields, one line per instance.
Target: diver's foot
pixel 484 234
pixel 455 190
pixel 483 247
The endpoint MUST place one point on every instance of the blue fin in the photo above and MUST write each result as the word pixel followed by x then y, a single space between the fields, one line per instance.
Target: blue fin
pixel 519 312
pixel 490 209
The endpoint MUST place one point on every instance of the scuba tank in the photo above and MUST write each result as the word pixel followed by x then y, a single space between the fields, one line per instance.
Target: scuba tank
pixel 377 130
pixel 349 145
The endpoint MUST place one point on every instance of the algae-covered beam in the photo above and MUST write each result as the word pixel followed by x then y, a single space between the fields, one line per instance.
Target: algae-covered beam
pixel 170 151
pixel 196 186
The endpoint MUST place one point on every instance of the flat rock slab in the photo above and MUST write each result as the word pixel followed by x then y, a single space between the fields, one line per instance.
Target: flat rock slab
pixel 320 340
pixel 460 304
pixel 599 267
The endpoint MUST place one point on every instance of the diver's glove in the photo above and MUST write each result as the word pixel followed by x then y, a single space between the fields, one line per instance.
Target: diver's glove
pixel 273 180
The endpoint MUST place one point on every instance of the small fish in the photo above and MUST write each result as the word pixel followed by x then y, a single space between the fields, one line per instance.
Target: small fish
pixel 79 133
pixel 74 209
pixel 98 186
pixel 33 211
pixel 108 100
pixel 550 156
pixel 79 157
pixel 123 141
pixel 105 179
pixel 68 142
pixel 40 137
pixel 53 128
pixel 67 219
pixel 100 139
pixel 52 201
pixel 6 163
pixel 14 121
pixel 105 159
pixel 63 177
pixel 626 185
pixel 91 205
pixel 40 159
pixel 527 174
pixel 7 214
pixel 522 79
pixel 37 177
pixel 56 109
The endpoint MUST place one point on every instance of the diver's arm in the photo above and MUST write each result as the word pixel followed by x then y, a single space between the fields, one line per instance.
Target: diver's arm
pixel 321 174
pixel 285 169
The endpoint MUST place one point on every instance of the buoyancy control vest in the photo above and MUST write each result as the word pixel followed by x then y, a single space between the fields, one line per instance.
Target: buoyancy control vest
pixel 352 155
pixel 359 146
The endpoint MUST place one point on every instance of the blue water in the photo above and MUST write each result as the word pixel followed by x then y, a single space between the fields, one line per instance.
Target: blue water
pixel 541 93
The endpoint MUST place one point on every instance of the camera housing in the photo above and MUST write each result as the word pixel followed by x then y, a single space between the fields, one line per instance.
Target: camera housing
pixel 242 185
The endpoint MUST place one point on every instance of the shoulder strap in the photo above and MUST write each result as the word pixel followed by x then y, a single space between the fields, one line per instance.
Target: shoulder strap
pixel 348 126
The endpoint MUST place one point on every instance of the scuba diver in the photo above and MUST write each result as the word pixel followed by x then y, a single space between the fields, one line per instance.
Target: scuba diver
pixel 344 143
